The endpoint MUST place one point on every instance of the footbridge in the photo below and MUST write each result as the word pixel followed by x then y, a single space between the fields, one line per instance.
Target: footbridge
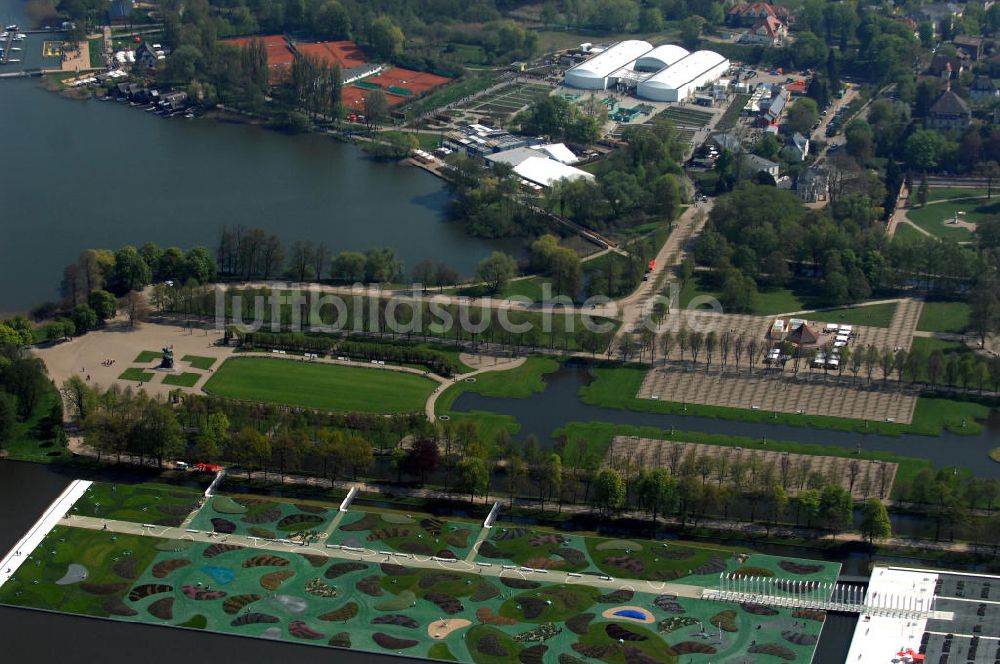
pixel 822 596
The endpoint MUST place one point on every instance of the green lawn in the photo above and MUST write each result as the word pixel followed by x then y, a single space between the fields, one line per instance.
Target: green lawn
pixel 616 387
pixel 101 553
pixel 530 288
pixel 31 440
pixel 769 301
pixel 136 374
pixel 934 217
pixel 944 317
pixel 429 142
pixel 945 193
pixel 96 48
pixel 928 345
pixel 147 356
pixel 162 504
pixel 907 232
pixel 872 315
pixel 198 362
pixel 186 379
pixel 320 386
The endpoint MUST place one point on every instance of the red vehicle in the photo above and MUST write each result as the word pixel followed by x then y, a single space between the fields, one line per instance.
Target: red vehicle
pixel 207 468
pixel 652 265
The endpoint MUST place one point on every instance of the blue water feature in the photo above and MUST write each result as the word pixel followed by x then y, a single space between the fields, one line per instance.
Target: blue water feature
pixel 221 575
pixel 630 613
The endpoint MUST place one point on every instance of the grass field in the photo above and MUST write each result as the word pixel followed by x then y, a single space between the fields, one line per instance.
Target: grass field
pixel 944 317
pixel 944 193
pixel 320 386
pixel 162 504
pixel 28 440
pixel 100 553
pixel 197 362
pixel 147 356
pixel 96 48
pixel 872 315
pixel 186 379
pixel 616 387
pixel 136 374
pixel 934 217
pixel 907 232
pixel 429 142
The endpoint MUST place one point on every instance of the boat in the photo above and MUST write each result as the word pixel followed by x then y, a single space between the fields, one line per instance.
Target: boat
pixel 12 26
pixel 15 48
pixel 13 61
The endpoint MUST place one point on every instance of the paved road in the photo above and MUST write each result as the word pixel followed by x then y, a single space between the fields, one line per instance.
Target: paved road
pixel 372 556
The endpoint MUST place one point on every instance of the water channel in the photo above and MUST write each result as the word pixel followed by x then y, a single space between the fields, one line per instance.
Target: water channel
pixel 560 404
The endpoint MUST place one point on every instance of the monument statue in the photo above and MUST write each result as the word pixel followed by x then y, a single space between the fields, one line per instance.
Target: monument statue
pixel 168 358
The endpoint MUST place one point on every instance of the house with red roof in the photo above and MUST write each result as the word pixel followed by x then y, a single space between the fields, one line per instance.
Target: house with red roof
pixel 768 30
pixel 748 14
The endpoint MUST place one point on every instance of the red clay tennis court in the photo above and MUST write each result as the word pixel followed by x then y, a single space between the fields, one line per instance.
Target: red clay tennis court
pixel 416 82
pixel 278 53
pixel 345 53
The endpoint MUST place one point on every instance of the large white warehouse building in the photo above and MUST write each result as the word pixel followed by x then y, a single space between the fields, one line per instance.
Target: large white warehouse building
pixel 682 78
pixel 595 73
pixel 659 58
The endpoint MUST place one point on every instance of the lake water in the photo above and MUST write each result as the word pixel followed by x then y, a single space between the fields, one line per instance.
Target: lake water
pixel 560 404
pixel 81 174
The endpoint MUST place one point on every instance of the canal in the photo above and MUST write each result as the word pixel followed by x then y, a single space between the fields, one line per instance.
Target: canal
pixel 560 404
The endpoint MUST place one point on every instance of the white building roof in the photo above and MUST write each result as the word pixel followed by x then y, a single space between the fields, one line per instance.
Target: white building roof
pixel 546 172
pixel 512 157
pixel 685 70
pixel 611 60
pixel 559 152
pixel 661 57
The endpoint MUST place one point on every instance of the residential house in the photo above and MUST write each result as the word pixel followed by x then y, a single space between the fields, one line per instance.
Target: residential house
pixel 173 101
pixel 813 184
pixel 910 24
pixel 971 46
pixel 149 54
pixel 948 113
pixel 771 109
pixel 754 164
pixel 797 149
pixel 983 88
pixel 768 30
pixel 947 66
pixel 746 14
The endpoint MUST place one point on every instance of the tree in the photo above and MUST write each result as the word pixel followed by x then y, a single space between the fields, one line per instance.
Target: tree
pixel 8 416
pixel 802 115
pixel 691 31
pixel 348 266
pixel 875 524
pixel 199 265
pixel 422 458
pixel 657 490
pixel 382 266
pixel 84 318
pixel 836 507
pixel 130 272
pixel 103 304
pixel 332 21
pixel 473 475
pixel 386 38
pixel 376 109
pixel 923 190
pixel 496 270
pixel 609 490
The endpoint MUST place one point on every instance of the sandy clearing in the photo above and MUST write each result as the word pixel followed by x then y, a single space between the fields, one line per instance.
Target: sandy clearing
pixel 610 614
pixel 439 629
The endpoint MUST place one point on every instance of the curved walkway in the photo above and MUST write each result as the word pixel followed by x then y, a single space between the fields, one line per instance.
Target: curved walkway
pixel 499 364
